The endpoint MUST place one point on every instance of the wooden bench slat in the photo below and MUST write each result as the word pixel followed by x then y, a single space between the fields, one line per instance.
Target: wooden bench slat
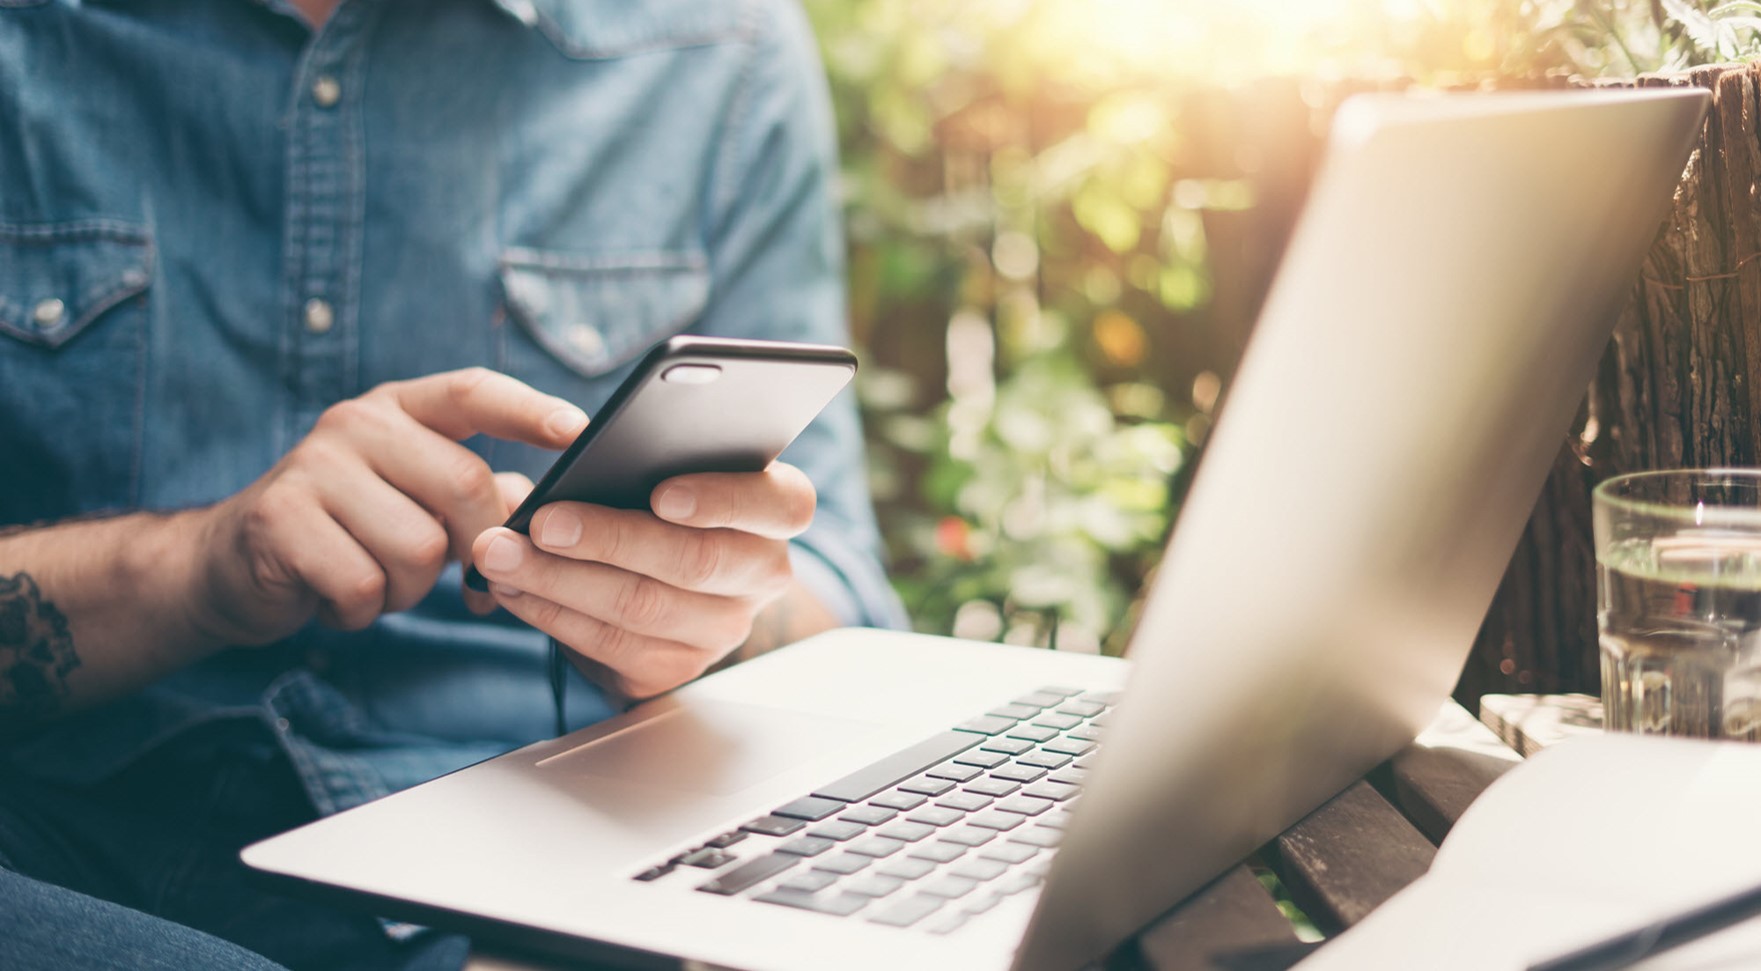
pixel 1434 786
pixel 1232 915
pixel 1347 857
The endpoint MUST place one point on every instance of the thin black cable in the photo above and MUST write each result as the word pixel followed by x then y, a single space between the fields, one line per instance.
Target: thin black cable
pixel 559 686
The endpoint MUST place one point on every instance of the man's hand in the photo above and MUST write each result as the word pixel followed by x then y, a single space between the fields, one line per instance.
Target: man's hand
pixel 655 598
pixel 360 517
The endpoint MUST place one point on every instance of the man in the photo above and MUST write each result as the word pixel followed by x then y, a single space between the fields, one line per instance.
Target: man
pixel 264 266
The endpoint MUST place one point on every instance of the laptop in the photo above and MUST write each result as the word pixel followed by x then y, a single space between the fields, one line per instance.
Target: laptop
pixel 869 799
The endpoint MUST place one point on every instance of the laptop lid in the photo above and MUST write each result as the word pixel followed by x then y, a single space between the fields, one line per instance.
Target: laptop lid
pixel 1429 335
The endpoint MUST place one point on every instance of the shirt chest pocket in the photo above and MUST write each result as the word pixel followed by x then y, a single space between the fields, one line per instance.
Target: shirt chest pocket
pixel 73 321
pixel 593 315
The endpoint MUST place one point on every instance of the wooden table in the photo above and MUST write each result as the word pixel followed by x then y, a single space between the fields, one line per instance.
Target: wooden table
pixel 1338 864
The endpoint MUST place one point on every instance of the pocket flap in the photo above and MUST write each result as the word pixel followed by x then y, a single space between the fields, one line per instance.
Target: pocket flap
pixel 56 278
pixel 598 313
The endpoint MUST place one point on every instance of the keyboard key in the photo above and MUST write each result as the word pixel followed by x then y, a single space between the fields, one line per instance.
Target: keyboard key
pixel 1051 789
pixel 936 816
pixel 946 923
pixel 811 808
pixel 1044 760
pixel 950 888
pixel 1101 697
pixel 876 847
pixel 1013 746
pixel 986 725
pixel 904 913
pixel 923 785
pixel 653 873
pixel 995 788
pixel 1040 699
pixel 908 831
pixel 978 903
pixel 1087 762
pixel 748 875
pixel 1068 746
pixel 1087 733
pixel 904 764
pixel 958 772
pixel 1053 721
pixel 873 884
pixel 1015 712
pixel 1057 820
pixel 707 858
pixel 1081 709
pixel 982 758
pixel 1060 690
pixel 1101 721
pixel 897 800
pixel 1070 776
pixel 964 801
pixel 838 830
pixel 726 840
pixel 1002 822
pixel 1016 772
pixel 843 863
pixel 1016 882
pixel 1025 805
pixel 808 881
pixel 806 846
pixel 937 851
pixel 836 904
pixel 868 815
pixel 906 867
pixel 1009 852
pixel 978 868
pixel 773 826
pixel 967 836
pixel 1035 733
pixel 1037 836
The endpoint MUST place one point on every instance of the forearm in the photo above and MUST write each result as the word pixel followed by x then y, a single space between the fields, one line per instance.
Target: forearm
pixel 93 609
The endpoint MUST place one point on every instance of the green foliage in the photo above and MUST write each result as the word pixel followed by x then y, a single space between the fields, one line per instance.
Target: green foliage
pixel 1028 212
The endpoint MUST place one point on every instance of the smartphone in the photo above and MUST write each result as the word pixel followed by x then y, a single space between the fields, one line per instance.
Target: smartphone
pixel 693 404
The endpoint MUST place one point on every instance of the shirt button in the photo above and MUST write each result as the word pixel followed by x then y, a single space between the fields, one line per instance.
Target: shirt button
pixel 319 316
pixel 281 725
pixel 48 313
pixel 326 91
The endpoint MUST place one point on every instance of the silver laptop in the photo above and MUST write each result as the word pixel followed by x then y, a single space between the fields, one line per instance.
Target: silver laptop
pixel 869 799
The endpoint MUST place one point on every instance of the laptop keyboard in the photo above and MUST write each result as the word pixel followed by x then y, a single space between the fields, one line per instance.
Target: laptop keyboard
pixel 931 836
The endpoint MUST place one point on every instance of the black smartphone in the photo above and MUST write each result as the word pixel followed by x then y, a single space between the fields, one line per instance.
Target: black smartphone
pixel 693 404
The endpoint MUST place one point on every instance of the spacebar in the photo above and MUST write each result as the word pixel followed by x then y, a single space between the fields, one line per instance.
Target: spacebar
pixel 865 782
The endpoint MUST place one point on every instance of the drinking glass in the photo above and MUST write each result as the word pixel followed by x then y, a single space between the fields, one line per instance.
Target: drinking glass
pixel 1678 590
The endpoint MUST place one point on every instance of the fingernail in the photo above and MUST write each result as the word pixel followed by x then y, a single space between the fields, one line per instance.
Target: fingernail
pixel 561 528
pixel 503 555
pixel 677 502
pixel 566 422
pixel 503 591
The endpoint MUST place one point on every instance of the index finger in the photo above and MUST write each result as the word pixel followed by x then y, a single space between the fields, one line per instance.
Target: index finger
pixel 459 404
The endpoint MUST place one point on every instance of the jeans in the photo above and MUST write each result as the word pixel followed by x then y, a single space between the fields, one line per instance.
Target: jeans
pixel 142 871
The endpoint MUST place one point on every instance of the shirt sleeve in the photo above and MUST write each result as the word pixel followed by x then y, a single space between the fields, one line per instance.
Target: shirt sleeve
pixel 777 271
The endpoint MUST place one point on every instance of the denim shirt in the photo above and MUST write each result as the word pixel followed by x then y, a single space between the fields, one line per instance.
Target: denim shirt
pixel 216 222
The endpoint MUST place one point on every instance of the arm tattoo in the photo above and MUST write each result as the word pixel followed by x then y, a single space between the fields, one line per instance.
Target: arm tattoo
pixel 36 652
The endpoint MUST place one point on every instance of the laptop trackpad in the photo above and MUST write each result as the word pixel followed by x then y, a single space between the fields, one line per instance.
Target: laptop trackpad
pixel 711 747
